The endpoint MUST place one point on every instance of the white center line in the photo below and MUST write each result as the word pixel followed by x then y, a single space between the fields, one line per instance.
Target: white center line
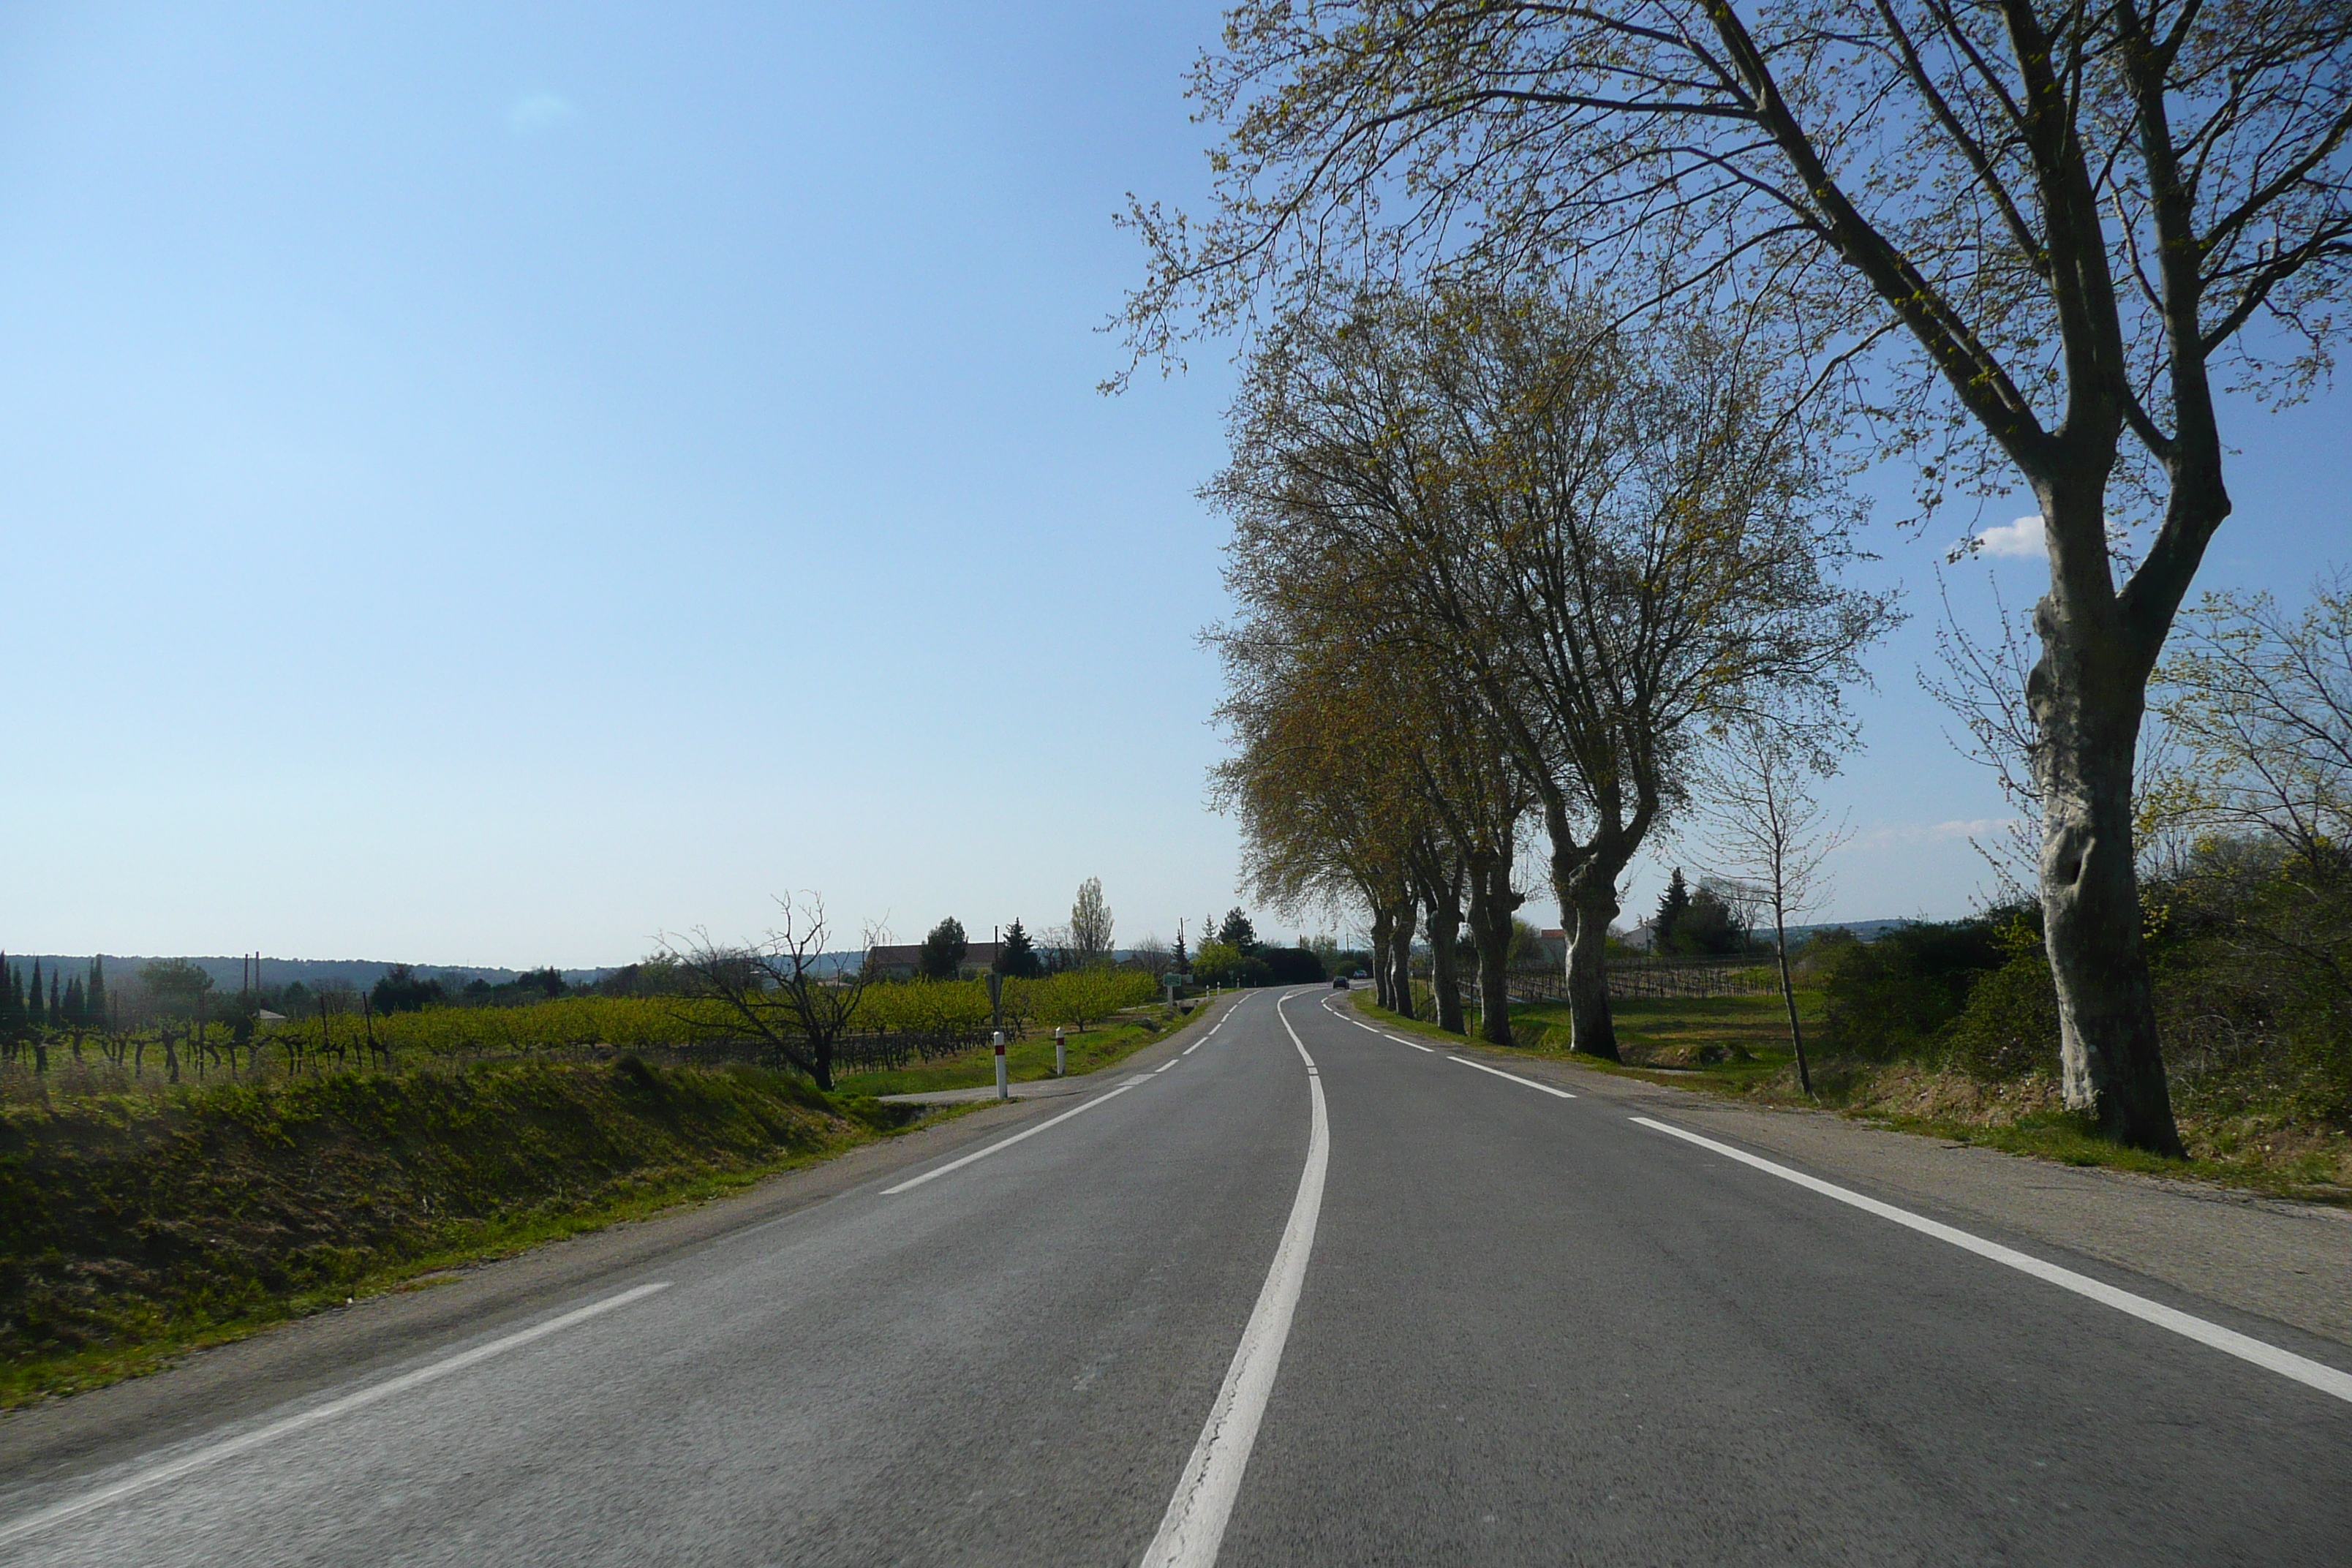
pixel 2286 1363
pixel 73 1508
pixel 1017 1137
pixel 1196 1044
pixel 1194 1524
pixel 1515 1077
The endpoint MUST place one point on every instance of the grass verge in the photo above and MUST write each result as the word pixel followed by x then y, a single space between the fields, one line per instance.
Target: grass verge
pixel 1736 1047
pixel 1026 1061
pixel 134 1229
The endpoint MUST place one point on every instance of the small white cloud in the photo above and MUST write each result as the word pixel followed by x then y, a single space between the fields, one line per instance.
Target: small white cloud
pixel 2020 537
pixel 540 111
pixel 1933 833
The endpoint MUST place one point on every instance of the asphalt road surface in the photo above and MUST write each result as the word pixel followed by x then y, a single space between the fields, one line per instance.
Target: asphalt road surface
pixel 1328 1299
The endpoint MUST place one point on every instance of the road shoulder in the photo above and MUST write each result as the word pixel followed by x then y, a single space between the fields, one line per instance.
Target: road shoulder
pixel 43 1443
pixel 2272 1257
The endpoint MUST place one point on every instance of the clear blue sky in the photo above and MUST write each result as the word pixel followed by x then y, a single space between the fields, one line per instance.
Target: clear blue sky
pixel 490 484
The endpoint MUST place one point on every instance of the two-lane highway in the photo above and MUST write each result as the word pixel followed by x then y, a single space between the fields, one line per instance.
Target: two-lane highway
pixel 1309 1292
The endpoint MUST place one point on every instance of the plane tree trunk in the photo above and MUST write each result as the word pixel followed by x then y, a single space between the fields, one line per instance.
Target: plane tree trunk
pixel 2088 695
pixel 1441 883
pixel 1492 905
pixel 1399 957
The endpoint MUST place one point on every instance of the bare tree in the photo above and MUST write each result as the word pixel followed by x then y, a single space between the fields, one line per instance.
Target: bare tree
pixel 2261 705
pixel 1743 903
pixel 1091 926
pixel 1982 684
pixel 778 990
pixel 1772 837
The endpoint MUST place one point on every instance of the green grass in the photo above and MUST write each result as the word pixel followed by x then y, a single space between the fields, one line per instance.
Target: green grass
pixel 1662 1039
pixel 1026 1061
pixel 134 1229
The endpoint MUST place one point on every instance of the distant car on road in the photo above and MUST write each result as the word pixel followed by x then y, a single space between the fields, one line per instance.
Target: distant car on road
pixel 1338 982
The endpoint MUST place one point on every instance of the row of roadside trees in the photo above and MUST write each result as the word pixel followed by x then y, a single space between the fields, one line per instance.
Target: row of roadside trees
pixel 1567 324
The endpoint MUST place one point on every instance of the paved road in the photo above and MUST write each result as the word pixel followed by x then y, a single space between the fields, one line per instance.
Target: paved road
pixel 1389 1308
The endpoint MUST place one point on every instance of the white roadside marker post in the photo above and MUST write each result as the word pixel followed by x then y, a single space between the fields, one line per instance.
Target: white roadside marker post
pixel 1002 1091
pixel 1061 1057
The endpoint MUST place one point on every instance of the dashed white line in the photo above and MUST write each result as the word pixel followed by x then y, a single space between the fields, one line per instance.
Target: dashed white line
pixel 1163 1066
pixel 1482 1067
pixel 2229 1341
pixel 1017 1137
pixel 262 1437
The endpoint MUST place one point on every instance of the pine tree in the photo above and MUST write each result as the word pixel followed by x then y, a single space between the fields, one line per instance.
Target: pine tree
pixel 1672 907
pixel 941 956
pixel 1017 955
pixel 1237 934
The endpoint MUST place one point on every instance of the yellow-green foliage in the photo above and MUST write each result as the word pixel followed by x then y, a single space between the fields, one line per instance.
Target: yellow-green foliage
pixel 1082 997
pixel 626 1022
pixel 1078 997
pixel 916 1006
pixel 931 1006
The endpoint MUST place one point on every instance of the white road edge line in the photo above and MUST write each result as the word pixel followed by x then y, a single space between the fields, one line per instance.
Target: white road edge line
pixel 212 1454
pixel 2229 1341
pixel 1417 1045
pixel 1515 1077
pixel 1196 1044
pixel 1194 1524
pixel 1163 1066
pixel 1017 1137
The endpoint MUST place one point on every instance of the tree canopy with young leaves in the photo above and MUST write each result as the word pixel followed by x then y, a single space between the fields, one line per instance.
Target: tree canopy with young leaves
pixel 1611 538
pixel 2014 240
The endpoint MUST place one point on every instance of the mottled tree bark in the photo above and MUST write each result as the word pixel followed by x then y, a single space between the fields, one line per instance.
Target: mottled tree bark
pixel 1491 904
pixel 1584 876
pixel 1442 891
pixel 1592 904
pixel 2088 694
pixel 1400 932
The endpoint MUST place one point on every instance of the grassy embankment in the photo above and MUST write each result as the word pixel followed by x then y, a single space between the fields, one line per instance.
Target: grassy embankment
pixel 1091 1050
pixel 134 1227
pixel 1737 1047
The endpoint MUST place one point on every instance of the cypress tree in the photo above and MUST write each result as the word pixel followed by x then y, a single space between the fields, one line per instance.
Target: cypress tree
pixel 73 1013
pixel 1672 907
pixel 93 1000
pixel 57 1010
pixel 33 1014
pixel 11 1006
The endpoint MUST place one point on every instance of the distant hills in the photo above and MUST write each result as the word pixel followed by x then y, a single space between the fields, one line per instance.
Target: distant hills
pixel 362 972
pixel 228 973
